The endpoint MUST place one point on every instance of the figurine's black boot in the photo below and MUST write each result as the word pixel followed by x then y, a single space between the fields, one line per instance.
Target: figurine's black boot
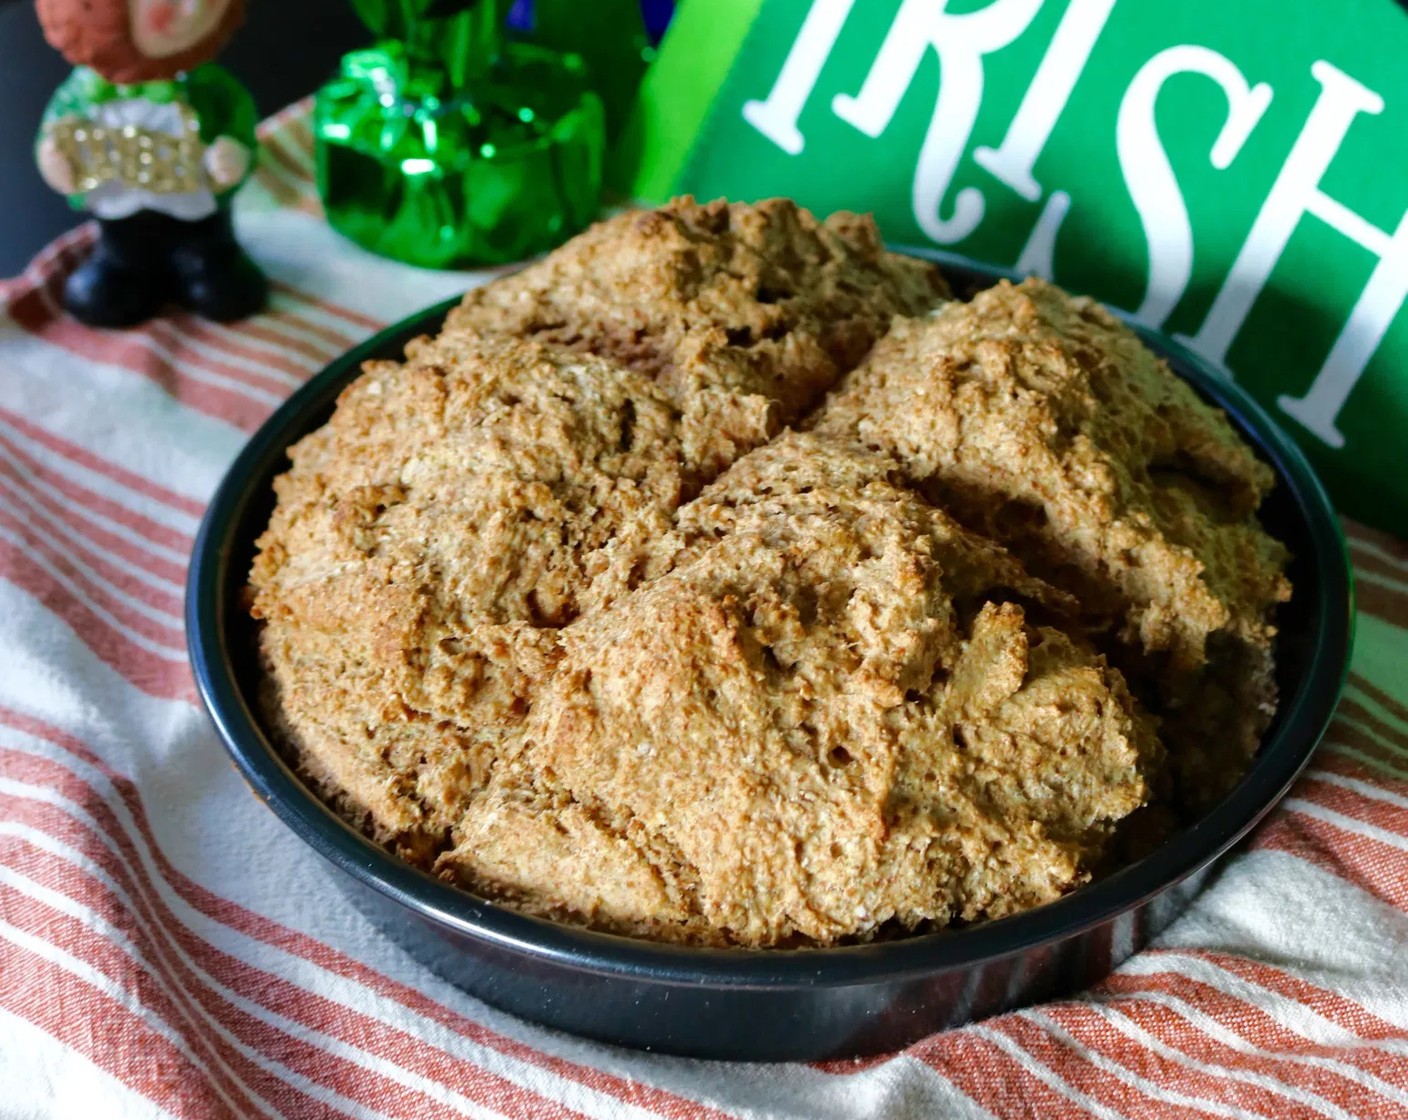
pixel 213 276
pixel 121 283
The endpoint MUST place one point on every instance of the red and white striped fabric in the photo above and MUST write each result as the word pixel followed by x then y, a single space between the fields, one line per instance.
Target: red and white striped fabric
pixel 167 949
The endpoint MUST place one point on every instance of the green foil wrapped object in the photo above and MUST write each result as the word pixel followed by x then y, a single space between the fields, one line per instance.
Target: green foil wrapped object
pixel 444 146
pixel 611 38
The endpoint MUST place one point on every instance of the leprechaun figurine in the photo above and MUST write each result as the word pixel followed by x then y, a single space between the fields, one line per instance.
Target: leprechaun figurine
pixel 151 138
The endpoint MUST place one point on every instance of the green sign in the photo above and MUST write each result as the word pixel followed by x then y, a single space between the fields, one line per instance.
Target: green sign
pixel 1233 173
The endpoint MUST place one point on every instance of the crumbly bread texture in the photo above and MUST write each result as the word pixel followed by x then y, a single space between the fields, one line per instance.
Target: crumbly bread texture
pixel 428 541
pixel 558 609
pixel 744 314
pixel 834 715
pixel 1042 421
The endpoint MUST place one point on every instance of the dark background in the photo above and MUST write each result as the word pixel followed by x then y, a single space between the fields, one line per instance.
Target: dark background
pixel 284 51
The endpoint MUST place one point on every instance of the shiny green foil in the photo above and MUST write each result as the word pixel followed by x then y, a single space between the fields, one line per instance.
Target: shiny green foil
pixel 446 147
pixel 610 36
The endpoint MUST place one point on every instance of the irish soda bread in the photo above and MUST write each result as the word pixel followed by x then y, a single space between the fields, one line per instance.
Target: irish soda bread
pixel 560 610
pixel 744 315
pixel 1043 422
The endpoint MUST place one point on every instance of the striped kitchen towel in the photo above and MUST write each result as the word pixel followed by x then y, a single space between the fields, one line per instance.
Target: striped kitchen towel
pixel 168 949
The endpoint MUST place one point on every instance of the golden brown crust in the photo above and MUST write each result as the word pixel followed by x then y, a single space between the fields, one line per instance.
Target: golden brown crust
pixel 745 314
pixel 428 541
pixel 539 614
pixel 1044 422
pixel 819 724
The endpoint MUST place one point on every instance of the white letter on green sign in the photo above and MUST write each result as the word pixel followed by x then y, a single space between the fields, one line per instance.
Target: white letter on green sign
pixel 961 42
pixel 1144 163
pixel 1045 99
pixel 1296 193
pixel 776 118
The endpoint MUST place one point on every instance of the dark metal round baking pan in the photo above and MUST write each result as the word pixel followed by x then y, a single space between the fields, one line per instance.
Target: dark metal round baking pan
pixel 769 1005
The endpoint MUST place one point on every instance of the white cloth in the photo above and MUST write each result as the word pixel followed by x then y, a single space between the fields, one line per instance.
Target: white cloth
pixel 168 948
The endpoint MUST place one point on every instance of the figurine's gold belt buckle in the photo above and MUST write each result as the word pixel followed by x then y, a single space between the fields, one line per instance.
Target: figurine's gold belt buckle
pixel 156 161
